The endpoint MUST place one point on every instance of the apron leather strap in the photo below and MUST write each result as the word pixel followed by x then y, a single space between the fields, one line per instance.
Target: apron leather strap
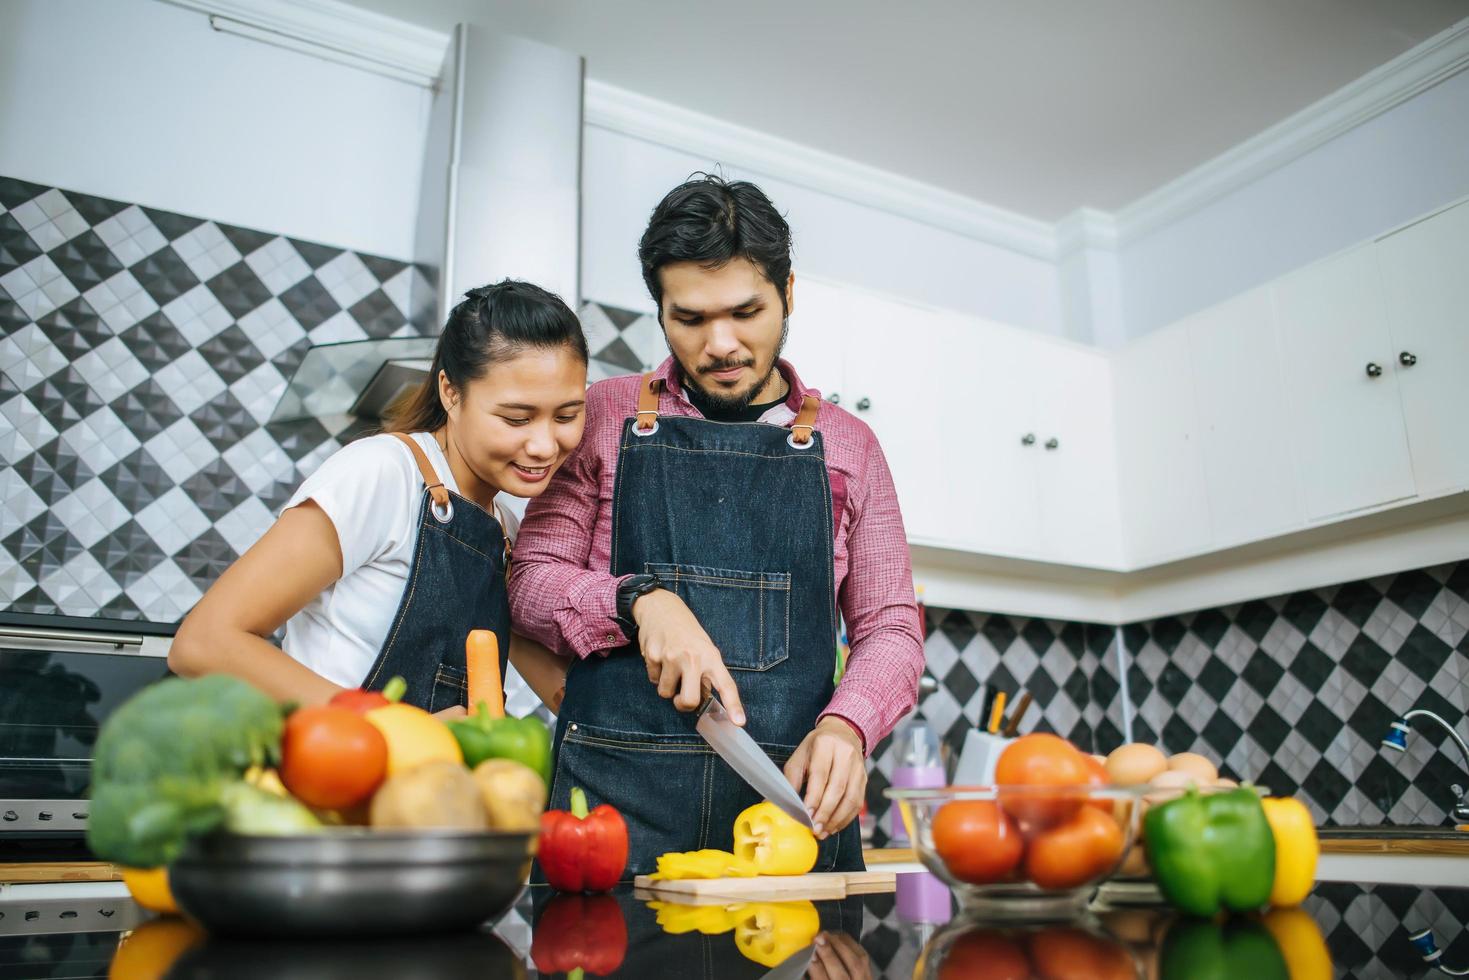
pixel 431 479
pixel 805 421
pixel 648 402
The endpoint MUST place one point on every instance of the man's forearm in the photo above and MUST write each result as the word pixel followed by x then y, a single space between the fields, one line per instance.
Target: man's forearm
pixel 568 609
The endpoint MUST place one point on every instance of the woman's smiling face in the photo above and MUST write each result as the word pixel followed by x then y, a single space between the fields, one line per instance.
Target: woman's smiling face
pixel 515 424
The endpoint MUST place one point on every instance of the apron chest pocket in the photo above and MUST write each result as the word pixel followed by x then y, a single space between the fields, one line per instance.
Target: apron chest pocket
pixel 746 614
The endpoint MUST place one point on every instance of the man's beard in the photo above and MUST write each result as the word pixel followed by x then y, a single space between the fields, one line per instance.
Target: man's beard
pixel 723 401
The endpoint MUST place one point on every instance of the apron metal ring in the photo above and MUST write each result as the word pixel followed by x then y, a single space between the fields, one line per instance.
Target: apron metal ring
pixel 444 516
pixel 637 428
pixel 791 439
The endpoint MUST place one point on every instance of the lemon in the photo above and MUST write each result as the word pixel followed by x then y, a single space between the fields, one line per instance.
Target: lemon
pixel 149 951
pixel 414 737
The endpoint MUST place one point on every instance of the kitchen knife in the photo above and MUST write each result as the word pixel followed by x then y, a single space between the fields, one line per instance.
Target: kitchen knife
pixel 736 747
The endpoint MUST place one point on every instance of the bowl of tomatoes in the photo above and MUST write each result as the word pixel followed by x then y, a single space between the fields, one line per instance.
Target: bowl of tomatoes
pixel 1037 843
pixel 970 948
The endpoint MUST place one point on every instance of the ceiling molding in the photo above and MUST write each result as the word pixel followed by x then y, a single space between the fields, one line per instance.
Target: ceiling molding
pixel 346 34
pixel 405 51
pixel 669 125
pixel 1416 70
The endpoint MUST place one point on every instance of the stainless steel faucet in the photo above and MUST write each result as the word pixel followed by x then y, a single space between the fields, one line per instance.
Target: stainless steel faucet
pixel 1397 740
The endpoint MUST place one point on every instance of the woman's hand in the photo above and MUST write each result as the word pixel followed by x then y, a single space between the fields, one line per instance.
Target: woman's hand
pixel 831 765
pixel 451 713
pixel 681 659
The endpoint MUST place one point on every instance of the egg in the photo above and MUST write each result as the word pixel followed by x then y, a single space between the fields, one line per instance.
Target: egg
pixel 1226 783
pixel 1135 764
pixel 1169 784
pixel 1191 762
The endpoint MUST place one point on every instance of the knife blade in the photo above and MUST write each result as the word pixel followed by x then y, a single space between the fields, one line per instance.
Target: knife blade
pixel 746 757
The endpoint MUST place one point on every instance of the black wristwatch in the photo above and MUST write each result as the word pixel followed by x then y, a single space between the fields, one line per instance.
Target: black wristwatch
pixel 628 592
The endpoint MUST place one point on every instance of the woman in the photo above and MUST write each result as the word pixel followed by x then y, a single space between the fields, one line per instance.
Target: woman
pixel 393 550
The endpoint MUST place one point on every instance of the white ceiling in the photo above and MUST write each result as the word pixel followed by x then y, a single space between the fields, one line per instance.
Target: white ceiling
pixel 1037 106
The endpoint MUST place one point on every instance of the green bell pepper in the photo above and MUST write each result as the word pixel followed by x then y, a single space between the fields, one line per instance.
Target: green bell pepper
pixel 524 740
pixel 1212 851
pixel 1196 950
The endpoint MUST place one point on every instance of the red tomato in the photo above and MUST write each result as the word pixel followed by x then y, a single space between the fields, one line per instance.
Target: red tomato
pixel 1096 775
pixel 1075 852
pixel 332 757
pixel 984 954
pixel 1041 759
pixel 1074 954
pixel 358 700
pixel 977 841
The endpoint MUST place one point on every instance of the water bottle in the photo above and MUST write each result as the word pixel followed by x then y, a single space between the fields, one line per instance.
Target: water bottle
pixel 918 767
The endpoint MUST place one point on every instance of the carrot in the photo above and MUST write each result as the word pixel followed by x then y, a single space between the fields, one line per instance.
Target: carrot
pixel 482 667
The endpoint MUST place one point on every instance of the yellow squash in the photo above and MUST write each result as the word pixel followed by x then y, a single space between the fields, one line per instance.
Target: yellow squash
pixel 1296 850
pixel 766 836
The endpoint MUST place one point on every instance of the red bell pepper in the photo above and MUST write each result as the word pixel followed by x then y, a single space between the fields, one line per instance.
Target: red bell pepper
pixel 581 851
pixel 577 934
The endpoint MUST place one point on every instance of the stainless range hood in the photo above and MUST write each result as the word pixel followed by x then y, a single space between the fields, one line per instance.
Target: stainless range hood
pixel 499 197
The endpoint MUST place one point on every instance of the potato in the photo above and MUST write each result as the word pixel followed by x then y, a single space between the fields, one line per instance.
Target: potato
pixel 439 794
pixel 514 795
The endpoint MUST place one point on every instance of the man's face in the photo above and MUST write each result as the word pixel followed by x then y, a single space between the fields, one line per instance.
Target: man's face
pixel 725 327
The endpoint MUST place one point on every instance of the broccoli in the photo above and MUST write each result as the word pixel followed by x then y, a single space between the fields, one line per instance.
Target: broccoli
pixel 165 758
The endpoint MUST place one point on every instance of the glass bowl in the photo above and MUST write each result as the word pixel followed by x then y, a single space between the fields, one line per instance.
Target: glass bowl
pixel 1021 852
pixel 974 947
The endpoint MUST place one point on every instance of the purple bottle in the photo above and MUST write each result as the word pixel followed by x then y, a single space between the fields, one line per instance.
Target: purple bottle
pixel 921 897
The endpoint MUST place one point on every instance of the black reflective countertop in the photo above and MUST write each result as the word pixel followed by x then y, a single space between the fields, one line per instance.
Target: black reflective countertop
pixel 1364 930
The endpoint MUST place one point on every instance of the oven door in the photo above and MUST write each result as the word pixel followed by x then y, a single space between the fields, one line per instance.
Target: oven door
pixel 59 680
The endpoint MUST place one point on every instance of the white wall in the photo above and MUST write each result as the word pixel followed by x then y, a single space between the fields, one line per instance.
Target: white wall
pixel 141 101
pixel 624 177
pixel 1391 169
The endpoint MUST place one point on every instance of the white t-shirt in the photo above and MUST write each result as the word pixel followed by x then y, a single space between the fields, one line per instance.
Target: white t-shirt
pixel 372 491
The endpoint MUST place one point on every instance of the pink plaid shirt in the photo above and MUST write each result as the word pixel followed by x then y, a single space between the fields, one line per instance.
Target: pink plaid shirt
pixel 562 594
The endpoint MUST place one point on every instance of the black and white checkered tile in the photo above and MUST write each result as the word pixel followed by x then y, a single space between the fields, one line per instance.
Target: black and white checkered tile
pixel 1068 668
pixel 141 354
pixel 1296 692
pixel 1367 927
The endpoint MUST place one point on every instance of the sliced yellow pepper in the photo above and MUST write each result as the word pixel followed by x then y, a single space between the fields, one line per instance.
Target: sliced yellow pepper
pixel 773 841
pixel 678 865
pixel 711 920
pixel 1296 850
pixel 769 932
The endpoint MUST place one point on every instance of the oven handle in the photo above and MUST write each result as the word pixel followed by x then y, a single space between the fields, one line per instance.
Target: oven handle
pixel 70 636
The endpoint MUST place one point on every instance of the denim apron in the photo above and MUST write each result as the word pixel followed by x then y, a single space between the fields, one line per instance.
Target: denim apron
pixel 736 518
pixel 456 584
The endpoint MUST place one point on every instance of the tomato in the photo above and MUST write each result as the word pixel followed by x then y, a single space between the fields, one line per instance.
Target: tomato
pixel 358 700
pixel 332 757
pixel 1065 953
pixel 977 841
pixel 1041 759
pixel 1075 852
pixel 984 954
pixel 1096 776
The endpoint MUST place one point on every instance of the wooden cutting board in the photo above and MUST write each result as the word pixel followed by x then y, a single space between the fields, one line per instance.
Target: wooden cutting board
pixel 817 886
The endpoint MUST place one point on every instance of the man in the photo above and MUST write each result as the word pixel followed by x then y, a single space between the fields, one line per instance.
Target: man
pixel 702 537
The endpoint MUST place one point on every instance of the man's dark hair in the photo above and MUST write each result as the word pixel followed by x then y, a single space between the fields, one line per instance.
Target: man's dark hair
pixel 710 221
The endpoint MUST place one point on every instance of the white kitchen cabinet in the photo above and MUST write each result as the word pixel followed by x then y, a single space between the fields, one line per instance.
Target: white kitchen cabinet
pixel 1239 392
pixel 1341 378
pixel 1160 464
pixel 1425 274
pixel 814 343
pixel 1075 454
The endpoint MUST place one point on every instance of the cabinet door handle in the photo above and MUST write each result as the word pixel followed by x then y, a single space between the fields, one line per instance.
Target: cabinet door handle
pixel 1053 443
pixel 1028 439
pixel 863 404
pixel 1407 359
pixel 1374 370
pixel 835 398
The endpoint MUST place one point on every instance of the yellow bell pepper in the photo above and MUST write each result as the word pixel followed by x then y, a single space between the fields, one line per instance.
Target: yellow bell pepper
pixel 1301 944
pixel 773 841
pixel 1296 850
pixel 678 865
pixel 769 932
pixel 710 920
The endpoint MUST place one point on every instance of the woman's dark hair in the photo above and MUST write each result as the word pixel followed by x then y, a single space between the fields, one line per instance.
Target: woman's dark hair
pixel 709 221
pixel 492 323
